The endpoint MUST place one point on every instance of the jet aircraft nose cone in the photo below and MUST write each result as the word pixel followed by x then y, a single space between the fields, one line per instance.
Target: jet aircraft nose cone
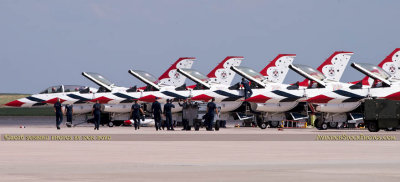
pixel 15 103
pixel 258 99
pixel 319 99
pixel 202 97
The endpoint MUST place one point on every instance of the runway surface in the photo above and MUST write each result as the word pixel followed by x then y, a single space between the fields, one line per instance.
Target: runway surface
pixel 174 160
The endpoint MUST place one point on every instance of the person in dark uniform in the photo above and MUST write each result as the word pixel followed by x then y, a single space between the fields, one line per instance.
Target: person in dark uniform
pixel 156 109
pixel 168 114
pixel 69 111
pixel 211 111
pixel 247 89
pixel 96 112
pixel 184 113
pixel 189 113
pixel 59 114
pixel 135 114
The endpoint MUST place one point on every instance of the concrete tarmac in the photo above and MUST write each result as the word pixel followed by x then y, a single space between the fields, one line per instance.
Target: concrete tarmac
pixel 196 160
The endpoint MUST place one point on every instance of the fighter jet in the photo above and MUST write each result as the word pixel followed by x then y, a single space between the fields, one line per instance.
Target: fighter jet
pixel 282 104
pixel 228 97
pixel 381 81
pixel 71 94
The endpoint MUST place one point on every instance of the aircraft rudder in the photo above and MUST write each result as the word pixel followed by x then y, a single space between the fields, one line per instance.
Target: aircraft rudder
pixel 222 74
pixel 333 67
pixel 171 76
pixel 278 68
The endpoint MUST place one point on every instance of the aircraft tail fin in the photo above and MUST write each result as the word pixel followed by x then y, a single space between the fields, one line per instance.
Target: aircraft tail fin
pixel 334 66
pixel 222 73
pixel 171 76
pixel 391 63
pixel 278 68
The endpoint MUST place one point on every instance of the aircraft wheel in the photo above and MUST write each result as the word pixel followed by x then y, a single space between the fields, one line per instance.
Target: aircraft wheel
pixel 324 126
pixel 373 126
pixel 333 124
pixel 196 126
pixel 274 124
pixel 390 129
pixel 110 124
pixel 320 125
pixel 217 125
pixel 263 125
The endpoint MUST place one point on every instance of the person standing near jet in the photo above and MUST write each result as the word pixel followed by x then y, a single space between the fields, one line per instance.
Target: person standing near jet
pixel 189 113
pixel 184 113
pixel 247 89
pixel 168 114
pixel 68 111
pixel 96 112
pixel 156 109
pixel 135 114
pixel 211 111
pixel 59 114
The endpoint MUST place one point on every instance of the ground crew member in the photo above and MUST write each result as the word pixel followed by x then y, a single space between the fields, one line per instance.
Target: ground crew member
pixel 69 111
pixel 156 109
pixel 184 113
pixel 135 114
pixel 189 113
pixel 96 112
pixel 168 114
pixel 247 89
pixel 211 111
pixel 58 111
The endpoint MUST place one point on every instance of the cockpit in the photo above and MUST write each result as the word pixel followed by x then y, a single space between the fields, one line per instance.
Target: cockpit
pixel 64 88
pixel 196 74
pixel 105 84
pixel 380 76
pixel 311 71
pixel 147 78
pixel 145 75
pixel 99 78
pixel 375 70
pixel 251 72
pixel 202 81
pixel 315 78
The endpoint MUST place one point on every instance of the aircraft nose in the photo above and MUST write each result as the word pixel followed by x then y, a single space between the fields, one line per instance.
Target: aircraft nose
pixel 15 103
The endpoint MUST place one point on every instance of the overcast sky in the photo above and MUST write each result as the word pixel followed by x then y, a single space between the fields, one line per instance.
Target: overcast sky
pixel 46 42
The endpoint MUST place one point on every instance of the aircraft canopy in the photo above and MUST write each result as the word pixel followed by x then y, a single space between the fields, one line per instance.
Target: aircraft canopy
pixel 63 88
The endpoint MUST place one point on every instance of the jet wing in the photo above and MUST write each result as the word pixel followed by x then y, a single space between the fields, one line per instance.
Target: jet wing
pixel 99 80
pixel 195 76
pixel 249 74
pixel 145 77
pixel 308 73
pixel 372 71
